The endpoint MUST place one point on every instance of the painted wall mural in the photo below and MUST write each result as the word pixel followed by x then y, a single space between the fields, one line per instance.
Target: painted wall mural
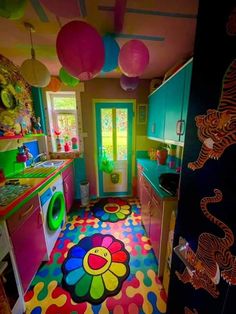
pixel 217 128
pixel 16 104
pixel 212 258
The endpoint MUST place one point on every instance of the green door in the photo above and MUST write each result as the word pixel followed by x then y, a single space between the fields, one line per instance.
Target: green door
pixel 114 147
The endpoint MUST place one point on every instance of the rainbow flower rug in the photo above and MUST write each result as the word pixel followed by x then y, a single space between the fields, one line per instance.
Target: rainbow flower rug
pixel 111 209
pixel 98 267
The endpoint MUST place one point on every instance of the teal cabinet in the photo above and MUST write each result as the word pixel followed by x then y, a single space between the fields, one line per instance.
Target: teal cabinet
pixel 168 107
pixel 156 114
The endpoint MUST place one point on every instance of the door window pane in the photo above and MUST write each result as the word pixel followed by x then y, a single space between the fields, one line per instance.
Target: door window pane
pixel 64 103
pixel 67 125
pixel 107 132
pixel 121 133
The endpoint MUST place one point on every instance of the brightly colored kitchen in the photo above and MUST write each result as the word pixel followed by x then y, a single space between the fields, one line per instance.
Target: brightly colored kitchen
pixel 117 157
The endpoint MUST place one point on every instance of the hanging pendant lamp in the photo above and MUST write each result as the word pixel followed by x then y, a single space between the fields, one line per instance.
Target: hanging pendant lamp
pixel 33 71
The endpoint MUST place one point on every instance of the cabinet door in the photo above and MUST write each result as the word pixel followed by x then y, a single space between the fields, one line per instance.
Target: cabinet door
pixel 174 100
pixel 187 83
pixel 145 205
pixel 139 180
pixel 69 187
pixel 156 114
pixel 29 247
pixel 155 223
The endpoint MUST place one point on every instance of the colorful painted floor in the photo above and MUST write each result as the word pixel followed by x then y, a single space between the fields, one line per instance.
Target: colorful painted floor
pixel 141 292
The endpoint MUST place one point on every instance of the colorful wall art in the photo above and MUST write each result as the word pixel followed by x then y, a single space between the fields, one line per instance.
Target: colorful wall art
pixel 16 104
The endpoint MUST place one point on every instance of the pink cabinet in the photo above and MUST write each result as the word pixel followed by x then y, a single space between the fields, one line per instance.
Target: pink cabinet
pixel 27 235
pixel 69 187
pixel 145 198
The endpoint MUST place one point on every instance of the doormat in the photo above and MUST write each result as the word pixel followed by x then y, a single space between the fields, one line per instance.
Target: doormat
pixel 111 209
pixel 95 268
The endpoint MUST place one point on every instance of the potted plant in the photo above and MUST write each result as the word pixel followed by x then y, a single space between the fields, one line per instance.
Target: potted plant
pixel 162 153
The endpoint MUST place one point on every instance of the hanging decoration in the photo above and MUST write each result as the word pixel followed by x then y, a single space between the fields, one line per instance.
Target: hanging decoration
pixel 67 79
pixel 12 10
pixel 54 85
pixel 80 50
pixel 33 71
pixel 112 50
pixel 119 14
pixel 133 58
pixel 129 83
pixel 69 8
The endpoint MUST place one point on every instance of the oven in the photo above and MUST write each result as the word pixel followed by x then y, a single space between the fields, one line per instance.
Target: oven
pixel 11 296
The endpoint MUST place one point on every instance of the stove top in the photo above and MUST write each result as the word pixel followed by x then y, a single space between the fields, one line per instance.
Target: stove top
pixel 8 193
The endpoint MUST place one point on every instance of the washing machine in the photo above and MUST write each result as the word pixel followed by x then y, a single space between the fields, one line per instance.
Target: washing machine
pixel 53 210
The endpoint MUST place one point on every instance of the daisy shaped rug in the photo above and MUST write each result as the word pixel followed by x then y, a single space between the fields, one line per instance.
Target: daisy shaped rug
pixel 95 268
pixel 111 209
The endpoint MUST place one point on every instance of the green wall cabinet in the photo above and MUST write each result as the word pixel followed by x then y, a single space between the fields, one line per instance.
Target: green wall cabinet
pixel 168 107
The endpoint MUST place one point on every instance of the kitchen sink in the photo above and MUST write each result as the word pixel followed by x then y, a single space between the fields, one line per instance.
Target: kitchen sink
pixel 49 163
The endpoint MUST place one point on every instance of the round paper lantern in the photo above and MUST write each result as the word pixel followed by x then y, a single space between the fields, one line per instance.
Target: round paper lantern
pixel 35 73
pixel 133 58
pixel 12 9
pixel 54 85
pixel 80 50
pixel 67 79
pixel 69 8
pixel 112 50
pixel 128 83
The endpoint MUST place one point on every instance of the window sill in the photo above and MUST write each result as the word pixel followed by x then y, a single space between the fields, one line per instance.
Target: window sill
pixel 65 155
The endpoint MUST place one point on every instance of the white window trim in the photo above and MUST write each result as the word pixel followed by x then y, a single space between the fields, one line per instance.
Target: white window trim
pixel 49 114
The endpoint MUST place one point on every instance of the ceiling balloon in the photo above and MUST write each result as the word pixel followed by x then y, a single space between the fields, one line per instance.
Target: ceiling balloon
pixel 133 58
pixel 80 50
pixel 112 50
pixel 129 83
pixel 67 79
pixel 54 85
pixel 12 10
pixel 69 8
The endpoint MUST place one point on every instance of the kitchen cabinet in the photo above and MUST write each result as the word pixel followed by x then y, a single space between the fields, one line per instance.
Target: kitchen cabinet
pixel 11 295
pixel 155 216
pixel 27 235
pixel 156 114
pixel 168 107
pixel 69 187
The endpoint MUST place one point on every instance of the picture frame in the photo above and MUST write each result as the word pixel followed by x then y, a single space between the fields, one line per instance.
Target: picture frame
pixel 142 114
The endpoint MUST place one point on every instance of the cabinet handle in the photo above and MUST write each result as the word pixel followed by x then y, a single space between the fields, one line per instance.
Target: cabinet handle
pixel 153 127
pixel 66 187
pixel 40 219
pixel 180 127
pixel 27 212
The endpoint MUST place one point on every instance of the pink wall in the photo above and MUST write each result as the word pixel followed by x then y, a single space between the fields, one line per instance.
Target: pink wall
pixel 104 89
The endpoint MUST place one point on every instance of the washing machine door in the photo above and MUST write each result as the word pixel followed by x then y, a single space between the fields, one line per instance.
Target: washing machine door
pixel 56 211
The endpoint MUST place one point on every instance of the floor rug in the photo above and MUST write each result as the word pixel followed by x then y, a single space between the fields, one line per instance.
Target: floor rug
pixel 140 293
pixel 111 209
pixel 95 268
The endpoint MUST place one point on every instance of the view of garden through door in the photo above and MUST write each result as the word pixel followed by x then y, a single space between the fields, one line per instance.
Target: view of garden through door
pixel 114 147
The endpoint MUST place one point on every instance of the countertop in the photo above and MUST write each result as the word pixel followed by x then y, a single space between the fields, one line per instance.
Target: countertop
pixel 37 184
pixel 152 172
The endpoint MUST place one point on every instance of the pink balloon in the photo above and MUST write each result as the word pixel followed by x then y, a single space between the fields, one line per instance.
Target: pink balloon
pixel 133 58
pixel 128 83
pixel 68 8
pixel 80 50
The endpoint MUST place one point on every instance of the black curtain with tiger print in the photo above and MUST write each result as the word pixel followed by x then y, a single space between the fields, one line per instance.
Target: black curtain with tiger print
pixel 203 270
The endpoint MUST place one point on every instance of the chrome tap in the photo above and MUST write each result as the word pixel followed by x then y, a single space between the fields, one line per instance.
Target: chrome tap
pixel 33 162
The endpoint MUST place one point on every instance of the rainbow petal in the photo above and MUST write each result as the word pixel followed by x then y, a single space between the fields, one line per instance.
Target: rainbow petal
pixel 118 269
pixel 110 280
pixel 97 287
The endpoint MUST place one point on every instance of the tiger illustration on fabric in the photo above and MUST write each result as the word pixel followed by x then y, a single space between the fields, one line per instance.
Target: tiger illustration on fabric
pixel 217 128
pixel 212 259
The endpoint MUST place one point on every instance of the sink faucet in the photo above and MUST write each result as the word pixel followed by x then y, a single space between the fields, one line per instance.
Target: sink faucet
pixel 33 162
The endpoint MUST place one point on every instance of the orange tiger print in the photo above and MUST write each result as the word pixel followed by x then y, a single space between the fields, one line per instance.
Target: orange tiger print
pixel 188 311
pixel 217 129
pixel 212 258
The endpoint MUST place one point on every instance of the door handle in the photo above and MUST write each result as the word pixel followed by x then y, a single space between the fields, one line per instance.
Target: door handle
pixel 180 127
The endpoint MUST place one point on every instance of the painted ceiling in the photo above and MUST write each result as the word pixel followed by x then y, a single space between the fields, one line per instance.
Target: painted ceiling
pixel 166 27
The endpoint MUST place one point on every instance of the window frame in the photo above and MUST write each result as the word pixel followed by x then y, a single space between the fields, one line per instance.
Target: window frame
pixel 53 114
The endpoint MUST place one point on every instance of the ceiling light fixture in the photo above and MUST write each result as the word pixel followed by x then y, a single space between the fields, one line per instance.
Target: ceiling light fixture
pixel 33 71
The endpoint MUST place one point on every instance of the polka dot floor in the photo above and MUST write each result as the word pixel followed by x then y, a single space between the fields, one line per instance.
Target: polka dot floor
pixel 99 267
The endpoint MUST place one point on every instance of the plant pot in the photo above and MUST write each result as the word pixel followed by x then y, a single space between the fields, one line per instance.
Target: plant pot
pixel 162 156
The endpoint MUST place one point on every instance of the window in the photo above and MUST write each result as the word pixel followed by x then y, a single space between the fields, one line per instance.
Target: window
pixel 64 121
